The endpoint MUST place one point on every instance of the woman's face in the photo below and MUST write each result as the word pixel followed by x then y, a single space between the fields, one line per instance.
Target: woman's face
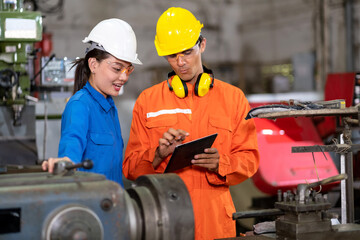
pixel 109 75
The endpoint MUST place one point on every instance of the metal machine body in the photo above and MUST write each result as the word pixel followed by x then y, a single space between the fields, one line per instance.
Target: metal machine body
pixel 302 216
pixel 306 217
pixel 81 205
pixel 18 143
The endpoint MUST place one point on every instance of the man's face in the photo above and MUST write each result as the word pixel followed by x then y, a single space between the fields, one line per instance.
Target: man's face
pixel 187 64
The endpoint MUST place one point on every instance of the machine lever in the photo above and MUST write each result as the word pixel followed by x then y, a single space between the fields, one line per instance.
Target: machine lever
pixel 257 213
pixel 66 167
pixel 87 164
pixel 42 68
pixel 301 189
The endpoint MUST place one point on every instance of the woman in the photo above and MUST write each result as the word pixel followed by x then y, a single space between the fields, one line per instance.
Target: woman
pixel 90 127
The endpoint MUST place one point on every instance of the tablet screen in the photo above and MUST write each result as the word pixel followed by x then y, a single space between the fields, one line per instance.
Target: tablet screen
pixel 184 153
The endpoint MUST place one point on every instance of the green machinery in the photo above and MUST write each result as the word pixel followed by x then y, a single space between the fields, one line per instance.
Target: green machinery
pixel 19 30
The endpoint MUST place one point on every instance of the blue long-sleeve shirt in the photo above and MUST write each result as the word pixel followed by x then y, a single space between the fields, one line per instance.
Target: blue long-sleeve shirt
pixel 90 129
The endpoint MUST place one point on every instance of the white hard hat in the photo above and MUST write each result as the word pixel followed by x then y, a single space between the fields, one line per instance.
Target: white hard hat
pixel 116 37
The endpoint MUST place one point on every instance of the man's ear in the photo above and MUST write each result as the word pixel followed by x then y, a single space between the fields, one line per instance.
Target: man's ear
pixel 93 64
pixel 203 45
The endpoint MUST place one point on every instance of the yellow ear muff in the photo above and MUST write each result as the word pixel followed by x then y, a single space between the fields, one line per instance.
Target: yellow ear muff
pixel 203 84
pixel 179 87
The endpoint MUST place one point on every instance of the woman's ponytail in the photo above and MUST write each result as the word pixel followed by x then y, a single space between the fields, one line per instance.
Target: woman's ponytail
pixel 82 71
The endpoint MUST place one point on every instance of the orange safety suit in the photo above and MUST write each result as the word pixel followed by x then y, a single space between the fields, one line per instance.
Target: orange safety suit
pixel 222 110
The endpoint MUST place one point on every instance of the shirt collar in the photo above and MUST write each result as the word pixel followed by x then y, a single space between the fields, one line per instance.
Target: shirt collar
pixel 105 103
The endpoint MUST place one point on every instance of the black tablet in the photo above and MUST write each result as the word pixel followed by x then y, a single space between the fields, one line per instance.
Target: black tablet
pixel 184 153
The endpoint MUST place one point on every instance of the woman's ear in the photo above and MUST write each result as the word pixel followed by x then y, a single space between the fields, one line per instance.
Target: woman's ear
pixel 93 63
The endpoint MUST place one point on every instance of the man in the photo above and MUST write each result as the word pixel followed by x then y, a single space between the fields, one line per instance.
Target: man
pixel 189 105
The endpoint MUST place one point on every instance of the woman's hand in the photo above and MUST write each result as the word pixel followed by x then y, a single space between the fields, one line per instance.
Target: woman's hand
pixel 49 164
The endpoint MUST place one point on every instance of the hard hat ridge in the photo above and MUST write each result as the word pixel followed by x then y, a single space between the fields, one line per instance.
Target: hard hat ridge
pixel 94 45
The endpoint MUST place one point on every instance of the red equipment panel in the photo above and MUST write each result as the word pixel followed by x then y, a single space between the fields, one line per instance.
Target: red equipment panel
pixel 338 86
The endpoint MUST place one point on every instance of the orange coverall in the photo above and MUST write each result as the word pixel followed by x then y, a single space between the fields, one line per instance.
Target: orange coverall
pixel 222 110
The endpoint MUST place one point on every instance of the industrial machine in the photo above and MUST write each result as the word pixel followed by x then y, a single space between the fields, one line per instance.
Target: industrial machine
pixel 282 169
pixel 80 205
pixel 19 30
pixel 301 216
pixel 305 213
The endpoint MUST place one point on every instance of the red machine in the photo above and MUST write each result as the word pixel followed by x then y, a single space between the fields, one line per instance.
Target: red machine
pixel 279 167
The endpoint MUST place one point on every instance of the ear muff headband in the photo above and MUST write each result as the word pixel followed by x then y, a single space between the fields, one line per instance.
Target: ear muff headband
pixel 204 82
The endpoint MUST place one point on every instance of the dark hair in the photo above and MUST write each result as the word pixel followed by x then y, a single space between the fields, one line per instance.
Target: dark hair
pixel 82 71
pixel 199 40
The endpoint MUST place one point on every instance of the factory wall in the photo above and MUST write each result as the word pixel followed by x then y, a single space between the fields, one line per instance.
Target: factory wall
pixel 261 46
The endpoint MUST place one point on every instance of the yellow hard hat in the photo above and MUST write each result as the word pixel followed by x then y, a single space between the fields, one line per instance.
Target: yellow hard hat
pixel 177 30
